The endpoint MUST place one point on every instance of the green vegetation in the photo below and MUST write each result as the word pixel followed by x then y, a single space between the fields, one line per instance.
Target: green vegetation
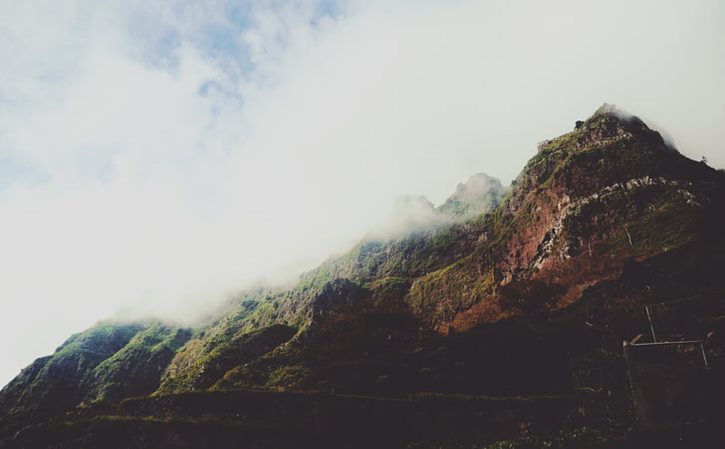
pixel 137 368
pixel 287 375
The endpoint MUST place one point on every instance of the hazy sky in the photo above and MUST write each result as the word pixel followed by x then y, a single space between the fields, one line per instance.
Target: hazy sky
pixel 157 156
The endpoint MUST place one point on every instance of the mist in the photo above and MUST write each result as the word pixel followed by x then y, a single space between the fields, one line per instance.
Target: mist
pixel 155 160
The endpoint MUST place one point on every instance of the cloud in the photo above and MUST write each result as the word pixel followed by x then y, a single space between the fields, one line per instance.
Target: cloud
pixel 159 157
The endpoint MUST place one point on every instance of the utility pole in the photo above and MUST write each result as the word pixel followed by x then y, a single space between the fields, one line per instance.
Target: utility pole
pixel 651 326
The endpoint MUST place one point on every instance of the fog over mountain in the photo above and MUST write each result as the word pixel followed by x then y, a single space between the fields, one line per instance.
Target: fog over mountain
pixel 154 160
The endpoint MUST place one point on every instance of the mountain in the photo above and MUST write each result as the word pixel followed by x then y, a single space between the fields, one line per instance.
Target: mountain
pixel 497 321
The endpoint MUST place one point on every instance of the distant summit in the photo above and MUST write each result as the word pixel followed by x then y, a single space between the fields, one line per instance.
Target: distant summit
pixel 480 194
pixel 410 213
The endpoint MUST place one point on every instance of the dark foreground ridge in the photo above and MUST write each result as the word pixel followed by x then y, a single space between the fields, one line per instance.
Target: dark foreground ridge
pixel 499 324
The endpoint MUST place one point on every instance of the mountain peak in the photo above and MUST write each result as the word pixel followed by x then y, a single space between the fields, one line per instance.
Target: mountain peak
pixel 607 125
pixel 479 194
pixel 611 122
pixel 477 185
pixel 611 109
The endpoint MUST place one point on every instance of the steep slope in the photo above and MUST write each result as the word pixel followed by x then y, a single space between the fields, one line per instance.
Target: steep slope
pixel 505 298
pixel 102 365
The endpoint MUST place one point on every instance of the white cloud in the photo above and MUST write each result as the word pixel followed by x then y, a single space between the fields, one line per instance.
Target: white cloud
pixel 175 152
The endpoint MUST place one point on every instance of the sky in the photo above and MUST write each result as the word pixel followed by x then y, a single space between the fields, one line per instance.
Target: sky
pixel 157 157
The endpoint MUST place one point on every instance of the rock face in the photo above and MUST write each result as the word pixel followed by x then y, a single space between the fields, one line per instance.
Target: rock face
pixel 503 297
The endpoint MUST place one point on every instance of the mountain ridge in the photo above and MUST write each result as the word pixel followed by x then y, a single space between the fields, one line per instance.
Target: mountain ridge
pixel 548 260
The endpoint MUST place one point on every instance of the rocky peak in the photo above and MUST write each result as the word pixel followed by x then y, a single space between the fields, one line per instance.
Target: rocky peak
pixel 603 164
pixel 477 185
pixel 610 123
pixel 610 146
pixel 480 194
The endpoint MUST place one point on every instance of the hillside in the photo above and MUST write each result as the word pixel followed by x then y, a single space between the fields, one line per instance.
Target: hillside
pixel 500 305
